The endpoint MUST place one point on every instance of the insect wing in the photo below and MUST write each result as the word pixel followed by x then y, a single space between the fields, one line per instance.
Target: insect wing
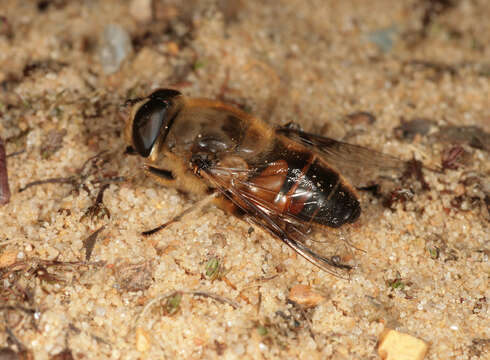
pixel 261 212
pixel 358 164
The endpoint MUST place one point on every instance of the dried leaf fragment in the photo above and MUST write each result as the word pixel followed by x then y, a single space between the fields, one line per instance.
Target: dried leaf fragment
pixel 134 277
pixel 474 136
pixel 394 345
pixel 52 142
pixel 304 295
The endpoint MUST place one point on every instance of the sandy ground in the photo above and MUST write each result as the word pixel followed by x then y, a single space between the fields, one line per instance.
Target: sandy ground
pixel 422 264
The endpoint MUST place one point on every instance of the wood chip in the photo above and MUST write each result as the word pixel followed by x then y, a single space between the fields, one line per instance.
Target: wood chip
pixel 394 345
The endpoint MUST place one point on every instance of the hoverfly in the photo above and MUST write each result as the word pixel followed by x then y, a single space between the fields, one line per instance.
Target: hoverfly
pixel 282 179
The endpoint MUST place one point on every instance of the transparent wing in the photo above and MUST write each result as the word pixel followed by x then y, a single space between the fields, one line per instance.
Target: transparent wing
pixel 233 184
pixel 358 164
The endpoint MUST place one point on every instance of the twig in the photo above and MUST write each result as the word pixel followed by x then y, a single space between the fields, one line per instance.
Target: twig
pixel 18 307
pixel 4 183
pixel 96 156
pixel 75 180
pixel 218 298
pixel 159 298
pixel 114 179
pixel 14 339
pixel 15 153
pixel 150 304
pixel 77 331
pixel 59 180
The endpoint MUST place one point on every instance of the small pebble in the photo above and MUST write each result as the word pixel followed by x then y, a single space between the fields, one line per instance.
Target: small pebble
pixel 173 48
pixel 361 118
pixel 409 129
pixel 115 47
pixel 383 38
pixel 143 341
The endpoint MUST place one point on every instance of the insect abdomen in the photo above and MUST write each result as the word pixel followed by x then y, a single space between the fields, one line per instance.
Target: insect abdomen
pixel 300 185
pixel 330 202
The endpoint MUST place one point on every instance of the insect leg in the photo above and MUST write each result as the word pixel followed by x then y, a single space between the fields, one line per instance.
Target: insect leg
pixel 195 207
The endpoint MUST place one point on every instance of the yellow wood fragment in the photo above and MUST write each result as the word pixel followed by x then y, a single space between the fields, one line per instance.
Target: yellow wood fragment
pixel 394 345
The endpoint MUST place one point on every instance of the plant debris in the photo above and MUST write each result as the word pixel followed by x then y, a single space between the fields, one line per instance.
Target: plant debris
pixel 91 167
pixel 4 182
pixel 172 305
pixel 434 8
pixel 173 299
pixel 436 68
pixel 52 142
pixel 213 268
pixel 44 270
pixel 218 298
pixel 439 249
pixel 409 129
pixel 89 243
pixel 414 169
pixel 397 195
pixel 22 353
pixel 134 277
pixel 100 340
pixel 6 28
pixel 453 157
pixel 43 66
pixel 98 209
pixel 479 347
pixel 473 136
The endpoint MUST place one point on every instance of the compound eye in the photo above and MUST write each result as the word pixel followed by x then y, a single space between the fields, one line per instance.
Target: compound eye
pixel 147 124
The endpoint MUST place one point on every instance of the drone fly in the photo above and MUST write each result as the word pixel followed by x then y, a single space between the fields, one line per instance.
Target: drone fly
pixel 282 179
